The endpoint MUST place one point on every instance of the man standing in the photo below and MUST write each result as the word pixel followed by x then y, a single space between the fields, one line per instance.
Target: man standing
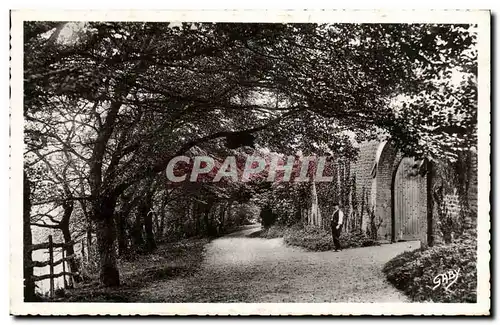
pixel 336 223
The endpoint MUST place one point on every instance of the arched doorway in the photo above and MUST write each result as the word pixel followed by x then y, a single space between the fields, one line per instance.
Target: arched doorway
pixel 407 199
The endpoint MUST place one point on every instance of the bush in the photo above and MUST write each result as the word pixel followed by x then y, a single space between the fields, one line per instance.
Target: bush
pixel 267 217
pixel 274 232
pixel 315 238
pixel 414 272
pixel 356 239
pixel 178 259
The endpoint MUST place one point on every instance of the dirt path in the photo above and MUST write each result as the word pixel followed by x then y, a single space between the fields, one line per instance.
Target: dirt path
pixel 241 269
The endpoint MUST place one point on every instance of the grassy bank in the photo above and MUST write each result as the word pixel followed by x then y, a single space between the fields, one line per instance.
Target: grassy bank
pixel 414 272
pixel 313 238
pixel 181 258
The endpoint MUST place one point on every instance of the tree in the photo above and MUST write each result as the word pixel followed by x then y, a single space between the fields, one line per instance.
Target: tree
pixel 29 284
pixel 147 92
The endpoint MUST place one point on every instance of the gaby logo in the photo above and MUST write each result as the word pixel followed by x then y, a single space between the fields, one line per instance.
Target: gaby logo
pixel 446 279
pixel 244 169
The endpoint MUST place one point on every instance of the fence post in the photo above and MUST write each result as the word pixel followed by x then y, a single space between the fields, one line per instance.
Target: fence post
pixel 430 203
pixel 51 266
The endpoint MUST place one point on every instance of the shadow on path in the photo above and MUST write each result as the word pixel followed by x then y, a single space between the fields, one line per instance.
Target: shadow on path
pixel 237 268
pixel 245 231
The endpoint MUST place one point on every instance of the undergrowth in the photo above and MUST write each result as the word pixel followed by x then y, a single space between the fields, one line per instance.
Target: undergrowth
pixel 414 272
pixel 314 238
pixel 181 258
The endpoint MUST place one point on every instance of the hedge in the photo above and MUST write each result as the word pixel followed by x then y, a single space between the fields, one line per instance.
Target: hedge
pixel 414 272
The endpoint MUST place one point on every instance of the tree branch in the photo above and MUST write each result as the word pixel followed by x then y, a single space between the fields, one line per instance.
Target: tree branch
pixel 162 163
pixel 44 225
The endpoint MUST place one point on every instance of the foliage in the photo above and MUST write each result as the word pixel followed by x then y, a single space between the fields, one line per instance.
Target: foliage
pixel 413 272
pixel 177 259
pixel 374 223
pixel 275 231
pixel 244 214
pixel 438 118
pixel 90 266
pixel 314 238
pixel 357 239
pixel 454 179
pixel 267 217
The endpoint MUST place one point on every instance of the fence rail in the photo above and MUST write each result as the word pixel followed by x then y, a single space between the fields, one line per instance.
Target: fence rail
pixel 46 245
pixel 47 263
pixel 48 276
pixel 50 245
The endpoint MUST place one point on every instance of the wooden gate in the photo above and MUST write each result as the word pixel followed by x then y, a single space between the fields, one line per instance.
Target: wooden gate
pixel 406 196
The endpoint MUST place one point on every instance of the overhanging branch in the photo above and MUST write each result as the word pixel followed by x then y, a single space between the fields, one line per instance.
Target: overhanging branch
pixel 162 163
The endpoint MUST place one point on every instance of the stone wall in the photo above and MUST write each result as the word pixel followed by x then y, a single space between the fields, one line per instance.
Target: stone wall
pixel 361 169
pixel 374 171
pixel 372 192
pixel 452 204
pixel 456 219
pixel 387 165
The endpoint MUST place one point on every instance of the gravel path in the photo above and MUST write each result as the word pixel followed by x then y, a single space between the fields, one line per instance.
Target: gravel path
pixel 241 269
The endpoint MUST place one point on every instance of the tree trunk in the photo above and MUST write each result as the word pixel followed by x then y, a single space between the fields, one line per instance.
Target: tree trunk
pixel 465 172
pixel 73 264
pixel 68 210
pixel 29 284
pixel 160 231
pixel 196 216
pixel 206 221
pixel 123 225
pixel 156 225
pixel 150 236
pixel 122 235
pixel 146 211
pixel 430 203
pixel 228 214
pixel 220 224
pixel 106 238
pixel 136 233
pixel 161 226
pixel 88 225
pixel 89 241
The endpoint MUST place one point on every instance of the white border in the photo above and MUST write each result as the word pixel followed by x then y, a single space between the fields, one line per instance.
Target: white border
pixel 482 18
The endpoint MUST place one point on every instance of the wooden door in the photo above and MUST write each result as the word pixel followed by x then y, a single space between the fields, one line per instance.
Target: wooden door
pixel 406 201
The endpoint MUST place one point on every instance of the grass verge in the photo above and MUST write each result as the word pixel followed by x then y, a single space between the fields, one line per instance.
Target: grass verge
pixel 181 258
pixel 313 238
pixel 414 272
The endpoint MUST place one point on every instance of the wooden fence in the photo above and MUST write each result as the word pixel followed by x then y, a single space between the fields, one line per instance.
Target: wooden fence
pixel 50 245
